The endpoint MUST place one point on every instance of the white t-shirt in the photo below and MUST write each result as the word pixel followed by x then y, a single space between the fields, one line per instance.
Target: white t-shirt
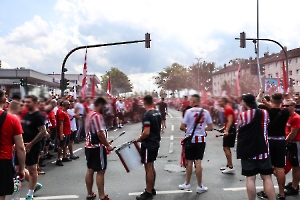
pixel 120 106
pixel 72 118
pixel 80 106
pixel 190 116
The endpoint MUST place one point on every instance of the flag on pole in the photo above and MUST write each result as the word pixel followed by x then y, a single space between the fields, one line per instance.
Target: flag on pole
pixel 84 78
pixel 109 91
pixel 238 86
pixel 285 81
pixel 93 86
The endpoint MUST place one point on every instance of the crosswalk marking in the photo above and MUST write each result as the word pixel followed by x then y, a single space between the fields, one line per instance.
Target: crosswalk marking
pixel 55 197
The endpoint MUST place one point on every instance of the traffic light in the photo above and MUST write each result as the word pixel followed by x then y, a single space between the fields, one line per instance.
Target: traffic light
pixel 66 83
pixel 243 40
pixel 22 82
pixel 147 40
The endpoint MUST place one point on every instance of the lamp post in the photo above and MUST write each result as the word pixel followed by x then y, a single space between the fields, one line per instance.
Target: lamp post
pixel 198 59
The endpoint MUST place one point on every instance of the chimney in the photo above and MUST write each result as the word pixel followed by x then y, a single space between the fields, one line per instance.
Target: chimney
pixel 250 58
pixel 224 65
pixel 266 54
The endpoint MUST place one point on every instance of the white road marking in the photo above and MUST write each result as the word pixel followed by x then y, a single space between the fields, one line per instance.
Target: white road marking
pixel 172 127
pixel 172 137
pixel 56 197
pixel 244 188
pixel 170 115
pixel 163 192
pixel 171 147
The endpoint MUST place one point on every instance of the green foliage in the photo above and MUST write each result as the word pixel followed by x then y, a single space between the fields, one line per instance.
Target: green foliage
pixel 119 81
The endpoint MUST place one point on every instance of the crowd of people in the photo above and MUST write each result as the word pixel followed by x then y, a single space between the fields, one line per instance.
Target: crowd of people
pixel 36 126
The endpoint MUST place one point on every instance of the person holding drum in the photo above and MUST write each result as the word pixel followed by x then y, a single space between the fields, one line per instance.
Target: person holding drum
pixel 194 123
pixel 95 152
pixel 150 139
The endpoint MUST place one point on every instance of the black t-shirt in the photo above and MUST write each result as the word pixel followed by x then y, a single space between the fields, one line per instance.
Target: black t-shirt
pixel 30 124
pixel 152 119
pixel 278 128
pixel 135 107
pixel 263 106
pixel 162 106
pixel 297 109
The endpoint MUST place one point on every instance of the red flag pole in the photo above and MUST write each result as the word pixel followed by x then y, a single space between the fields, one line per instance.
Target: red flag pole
pixel 285 81
pixel 84 77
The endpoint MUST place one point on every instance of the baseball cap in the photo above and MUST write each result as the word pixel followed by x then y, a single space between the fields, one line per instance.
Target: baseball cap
pixel 249 99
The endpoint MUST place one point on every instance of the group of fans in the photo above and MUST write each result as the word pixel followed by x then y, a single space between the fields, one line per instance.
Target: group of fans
pixel 38 125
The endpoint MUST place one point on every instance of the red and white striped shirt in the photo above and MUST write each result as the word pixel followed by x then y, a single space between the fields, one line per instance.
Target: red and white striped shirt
pixel 246 117
pixel 94 123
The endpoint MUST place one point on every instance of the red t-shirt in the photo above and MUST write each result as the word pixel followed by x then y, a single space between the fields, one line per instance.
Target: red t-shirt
pixel 51 119
pixel 11 127
pixel 63 116
pixel 229 111
pixel 185 104
pixel 86 107
pixel 293 122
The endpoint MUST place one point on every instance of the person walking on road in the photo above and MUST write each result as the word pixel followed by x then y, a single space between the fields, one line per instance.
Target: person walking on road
pixel 150 139
pixel 95 152
pixel 163 109
pixel 252 147
pixel 33 124
pixel 192 122
pixel 10 132
pixel 229 134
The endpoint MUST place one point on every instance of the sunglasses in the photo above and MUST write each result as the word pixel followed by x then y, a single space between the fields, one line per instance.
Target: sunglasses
pixel 286 106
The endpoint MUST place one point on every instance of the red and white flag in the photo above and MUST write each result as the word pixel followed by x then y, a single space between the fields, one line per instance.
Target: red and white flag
pixel 84 78
pixel 109 92
pixel 285 81
pixel 237 85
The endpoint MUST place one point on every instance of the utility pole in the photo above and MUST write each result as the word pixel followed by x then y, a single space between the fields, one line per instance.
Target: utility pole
pixel 257 46
pixel 198 82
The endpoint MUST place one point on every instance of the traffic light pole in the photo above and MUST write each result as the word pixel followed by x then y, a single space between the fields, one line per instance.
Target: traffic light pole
pixel 285 53
pixel 147 40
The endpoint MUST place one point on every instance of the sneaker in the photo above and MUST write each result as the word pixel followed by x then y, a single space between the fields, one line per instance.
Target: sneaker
pixel 145 196
pixel 224 167
pixel 287 186
pixel 48 156
pixel 105 198
pixel 91 196
pixel 185 186
pixel 291 191
pixel 59 163
pixel 37 187
pixel 153 191
pixel 262 195
pixel 74 157
pixel 66 160
pixel 201 189
pixel 41 171
pixel 29 197
pixel 229 170
pixel 280 197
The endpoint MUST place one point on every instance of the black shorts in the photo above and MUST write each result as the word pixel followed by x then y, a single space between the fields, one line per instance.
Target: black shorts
pixel 73 135
pixel 252 167
pixel 229 141
pixel 147 155
pixel 277 152
pixel 196 152
pixel 6 177
pixel 31 156
pixel 163 116
pixel 121 116
pixel 96 158
pixel 294 153
pixel 65 142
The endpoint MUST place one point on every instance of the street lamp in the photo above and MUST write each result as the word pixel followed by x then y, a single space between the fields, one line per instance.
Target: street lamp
pixel 198 59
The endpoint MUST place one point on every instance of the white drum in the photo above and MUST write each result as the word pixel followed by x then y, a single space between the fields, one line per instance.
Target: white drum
pixel 129 154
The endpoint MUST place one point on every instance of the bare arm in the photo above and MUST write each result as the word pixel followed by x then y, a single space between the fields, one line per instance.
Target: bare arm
pixel 144 134
pixel 19 147
pixel 40 135
pixel 103 140
pixel 183 127
pixel 209 127
pixel 292 134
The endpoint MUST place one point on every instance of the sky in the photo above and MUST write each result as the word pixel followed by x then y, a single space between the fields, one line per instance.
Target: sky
pixel 38 34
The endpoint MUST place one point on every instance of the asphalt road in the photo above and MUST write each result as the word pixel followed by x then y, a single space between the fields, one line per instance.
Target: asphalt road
pixel 68 182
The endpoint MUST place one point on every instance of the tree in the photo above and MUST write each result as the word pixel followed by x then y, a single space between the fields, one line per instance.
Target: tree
pixel 120 82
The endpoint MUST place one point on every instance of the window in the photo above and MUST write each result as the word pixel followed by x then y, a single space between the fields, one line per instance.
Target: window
pixel 291 73
pixel 297 60
pixel 269 66
pixel 290 61
pixel 298 71
pixel 270 75
pixel 298 83
pixel 276 75
pixel 276 64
